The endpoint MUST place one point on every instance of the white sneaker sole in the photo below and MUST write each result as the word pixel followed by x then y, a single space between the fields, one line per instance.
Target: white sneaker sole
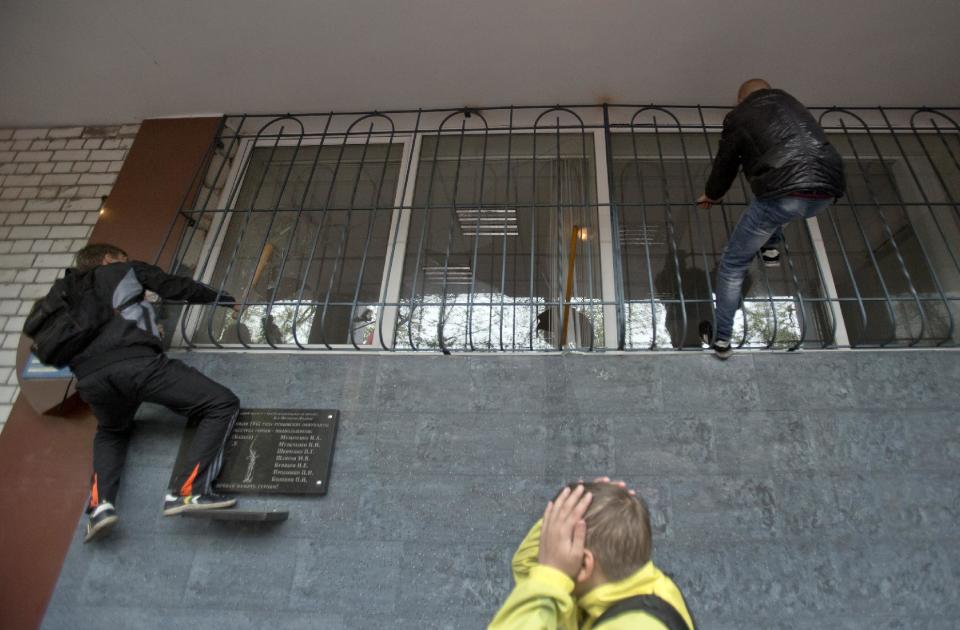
pixel 195 507
pixel 101 529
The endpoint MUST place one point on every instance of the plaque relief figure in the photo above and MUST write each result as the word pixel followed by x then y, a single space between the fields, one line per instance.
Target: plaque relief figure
pixel 251 461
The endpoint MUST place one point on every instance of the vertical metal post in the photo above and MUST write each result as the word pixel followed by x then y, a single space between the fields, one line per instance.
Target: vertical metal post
pixel 568 293
pixel 840 336
pixel 606 236
pixel 615 229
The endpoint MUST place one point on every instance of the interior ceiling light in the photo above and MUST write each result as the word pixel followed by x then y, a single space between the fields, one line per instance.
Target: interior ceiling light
pixel 488 221
pixel 454 275
pixel 640 235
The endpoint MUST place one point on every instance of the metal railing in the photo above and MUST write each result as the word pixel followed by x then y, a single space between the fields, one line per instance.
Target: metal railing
pixel 555 228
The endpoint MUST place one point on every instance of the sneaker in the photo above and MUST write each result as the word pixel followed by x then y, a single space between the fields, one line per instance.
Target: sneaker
pixel 706 332
pixel 102 520
pixel 722 349
pixel 770 256
pixel 175 503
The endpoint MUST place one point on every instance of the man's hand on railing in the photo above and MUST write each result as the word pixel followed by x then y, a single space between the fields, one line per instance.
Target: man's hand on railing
pixel 705 202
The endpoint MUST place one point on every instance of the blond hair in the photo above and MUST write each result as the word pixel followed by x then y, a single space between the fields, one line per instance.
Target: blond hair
pixel 618 530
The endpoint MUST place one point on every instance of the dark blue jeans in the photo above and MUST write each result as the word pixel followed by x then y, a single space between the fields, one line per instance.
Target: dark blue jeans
pixel 760 226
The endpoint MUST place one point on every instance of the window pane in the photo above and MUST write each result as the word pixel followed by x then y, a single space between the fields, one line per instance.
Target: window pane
pixel 890 239
pixel 490 244
pixel 670 249
pixel 306 243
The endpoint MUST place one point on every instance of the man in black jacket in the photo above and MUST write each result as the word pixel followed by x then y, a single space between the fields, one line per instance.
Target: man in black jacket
pixel 794 173
pixel 125 365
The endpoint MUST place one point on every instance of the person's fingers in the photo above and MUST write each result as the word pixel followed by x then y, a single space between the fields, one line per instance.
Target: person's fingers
pixel 602 480
pixel 579 536
pixel 560 498
pixel 547 511
pixel 573 497
pixel 580 508
pixel 565 507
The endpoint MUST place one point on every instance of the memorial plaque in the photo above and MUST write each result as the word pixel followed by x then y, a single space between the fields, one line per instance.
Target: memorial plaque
pixel 275 451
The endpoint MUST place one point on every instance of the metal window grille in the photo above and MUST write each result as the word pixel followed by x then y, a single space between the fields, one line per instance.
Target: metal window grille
pixel 552 228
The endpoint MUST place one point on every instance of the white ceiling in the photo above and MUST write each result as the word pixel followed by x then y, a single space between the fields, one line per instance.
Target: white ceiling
pixel 110 61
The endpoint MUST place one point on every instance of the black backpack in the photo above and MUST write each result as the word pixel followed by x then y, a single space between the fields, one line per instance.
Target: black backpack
pixel 68 319
pixel 650 604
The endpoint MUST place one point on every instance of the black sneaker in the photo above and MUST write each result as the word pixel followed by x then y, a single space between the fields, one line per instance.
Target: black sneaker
pixel 722 349
pixel 770 256
pixel 102 520
pixel 706 332
pixel 175 503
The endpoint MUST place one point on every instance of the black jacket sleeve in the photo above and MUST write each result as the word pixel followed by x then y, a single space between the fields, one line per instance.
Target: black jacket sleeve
pixel 725 165
pixel 177 287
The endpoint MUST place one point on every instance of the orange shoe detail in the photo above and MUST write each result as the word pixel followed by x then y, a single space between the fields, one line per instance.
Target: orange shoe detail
pixel 94 495
pixel 187 488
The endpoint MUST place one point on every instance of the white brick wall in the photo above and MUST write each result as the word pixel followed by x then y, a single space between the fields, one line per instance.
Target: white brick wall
pixel 51 185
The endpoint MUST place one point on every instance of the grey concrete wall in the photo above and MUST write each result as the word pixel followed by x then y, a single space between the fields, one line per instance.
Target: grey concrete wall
pixel 800 490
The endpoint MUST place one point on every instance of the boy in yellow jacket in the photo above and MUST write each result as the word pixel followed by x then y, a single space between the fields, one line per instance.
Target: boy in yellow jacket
pixel 587 559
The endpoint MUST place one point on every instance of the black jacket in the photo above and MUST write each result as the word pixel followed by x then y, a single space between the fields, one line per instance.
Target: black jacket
pixel 781 147
pixel 133 331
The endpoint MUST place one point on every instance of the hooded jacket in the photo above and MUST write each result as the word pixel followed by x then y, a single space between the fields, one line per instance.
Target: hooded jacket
pixel 781 147
pixel 543 597
pixel 133 330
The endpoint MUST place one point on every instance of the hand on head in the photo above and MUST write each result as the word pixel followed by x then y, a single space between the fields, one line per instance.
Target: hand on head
pixel 564 531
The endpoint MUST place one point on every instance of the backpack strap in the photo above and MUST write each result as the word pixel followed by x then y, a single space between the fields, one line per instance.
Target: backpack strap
pixel 654 606
pixel 134 300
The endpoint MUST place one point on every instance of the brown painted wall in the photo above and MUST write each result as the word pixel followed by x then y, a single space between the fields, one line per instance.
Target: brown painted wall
pixel 45 460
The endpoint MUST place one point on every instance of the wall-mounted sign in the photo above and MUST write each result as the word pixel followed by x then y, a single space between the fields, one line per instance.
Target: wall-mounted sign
pixel 275 451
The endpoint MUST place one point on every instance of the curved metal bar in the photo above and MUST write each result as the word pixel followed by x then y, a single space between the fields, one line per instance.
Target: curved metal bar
pixel 646 232
pixel 726 227
pixel 266 239
pixel 853 279
pixel 324 210
pixel 175 262
pixel 503 258
pixel 202 268
pixel 370 222
pixel 338 264
pixel 802 311
pixel 693 195
pixel 926 199
pixel 923 247
pixel 423 231
pixel 558 241
pixel 588 242
pixel 202 167
pixel 671 230
pixel 396 234
pixel 476 245
pixel 614 213
pixel 293 233
pixel 558 108
pixel 246 224
pixel 883 219
pixel 451 221
pixel 863 235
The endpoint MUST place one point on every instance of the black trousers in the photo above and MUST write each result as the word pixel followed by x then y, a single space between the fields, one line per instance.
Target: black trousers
pixel 115 392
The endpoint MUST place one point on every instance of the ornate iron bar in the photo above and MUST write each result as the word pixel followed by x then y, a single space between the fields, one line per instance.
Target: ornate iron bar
pixel 448 230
